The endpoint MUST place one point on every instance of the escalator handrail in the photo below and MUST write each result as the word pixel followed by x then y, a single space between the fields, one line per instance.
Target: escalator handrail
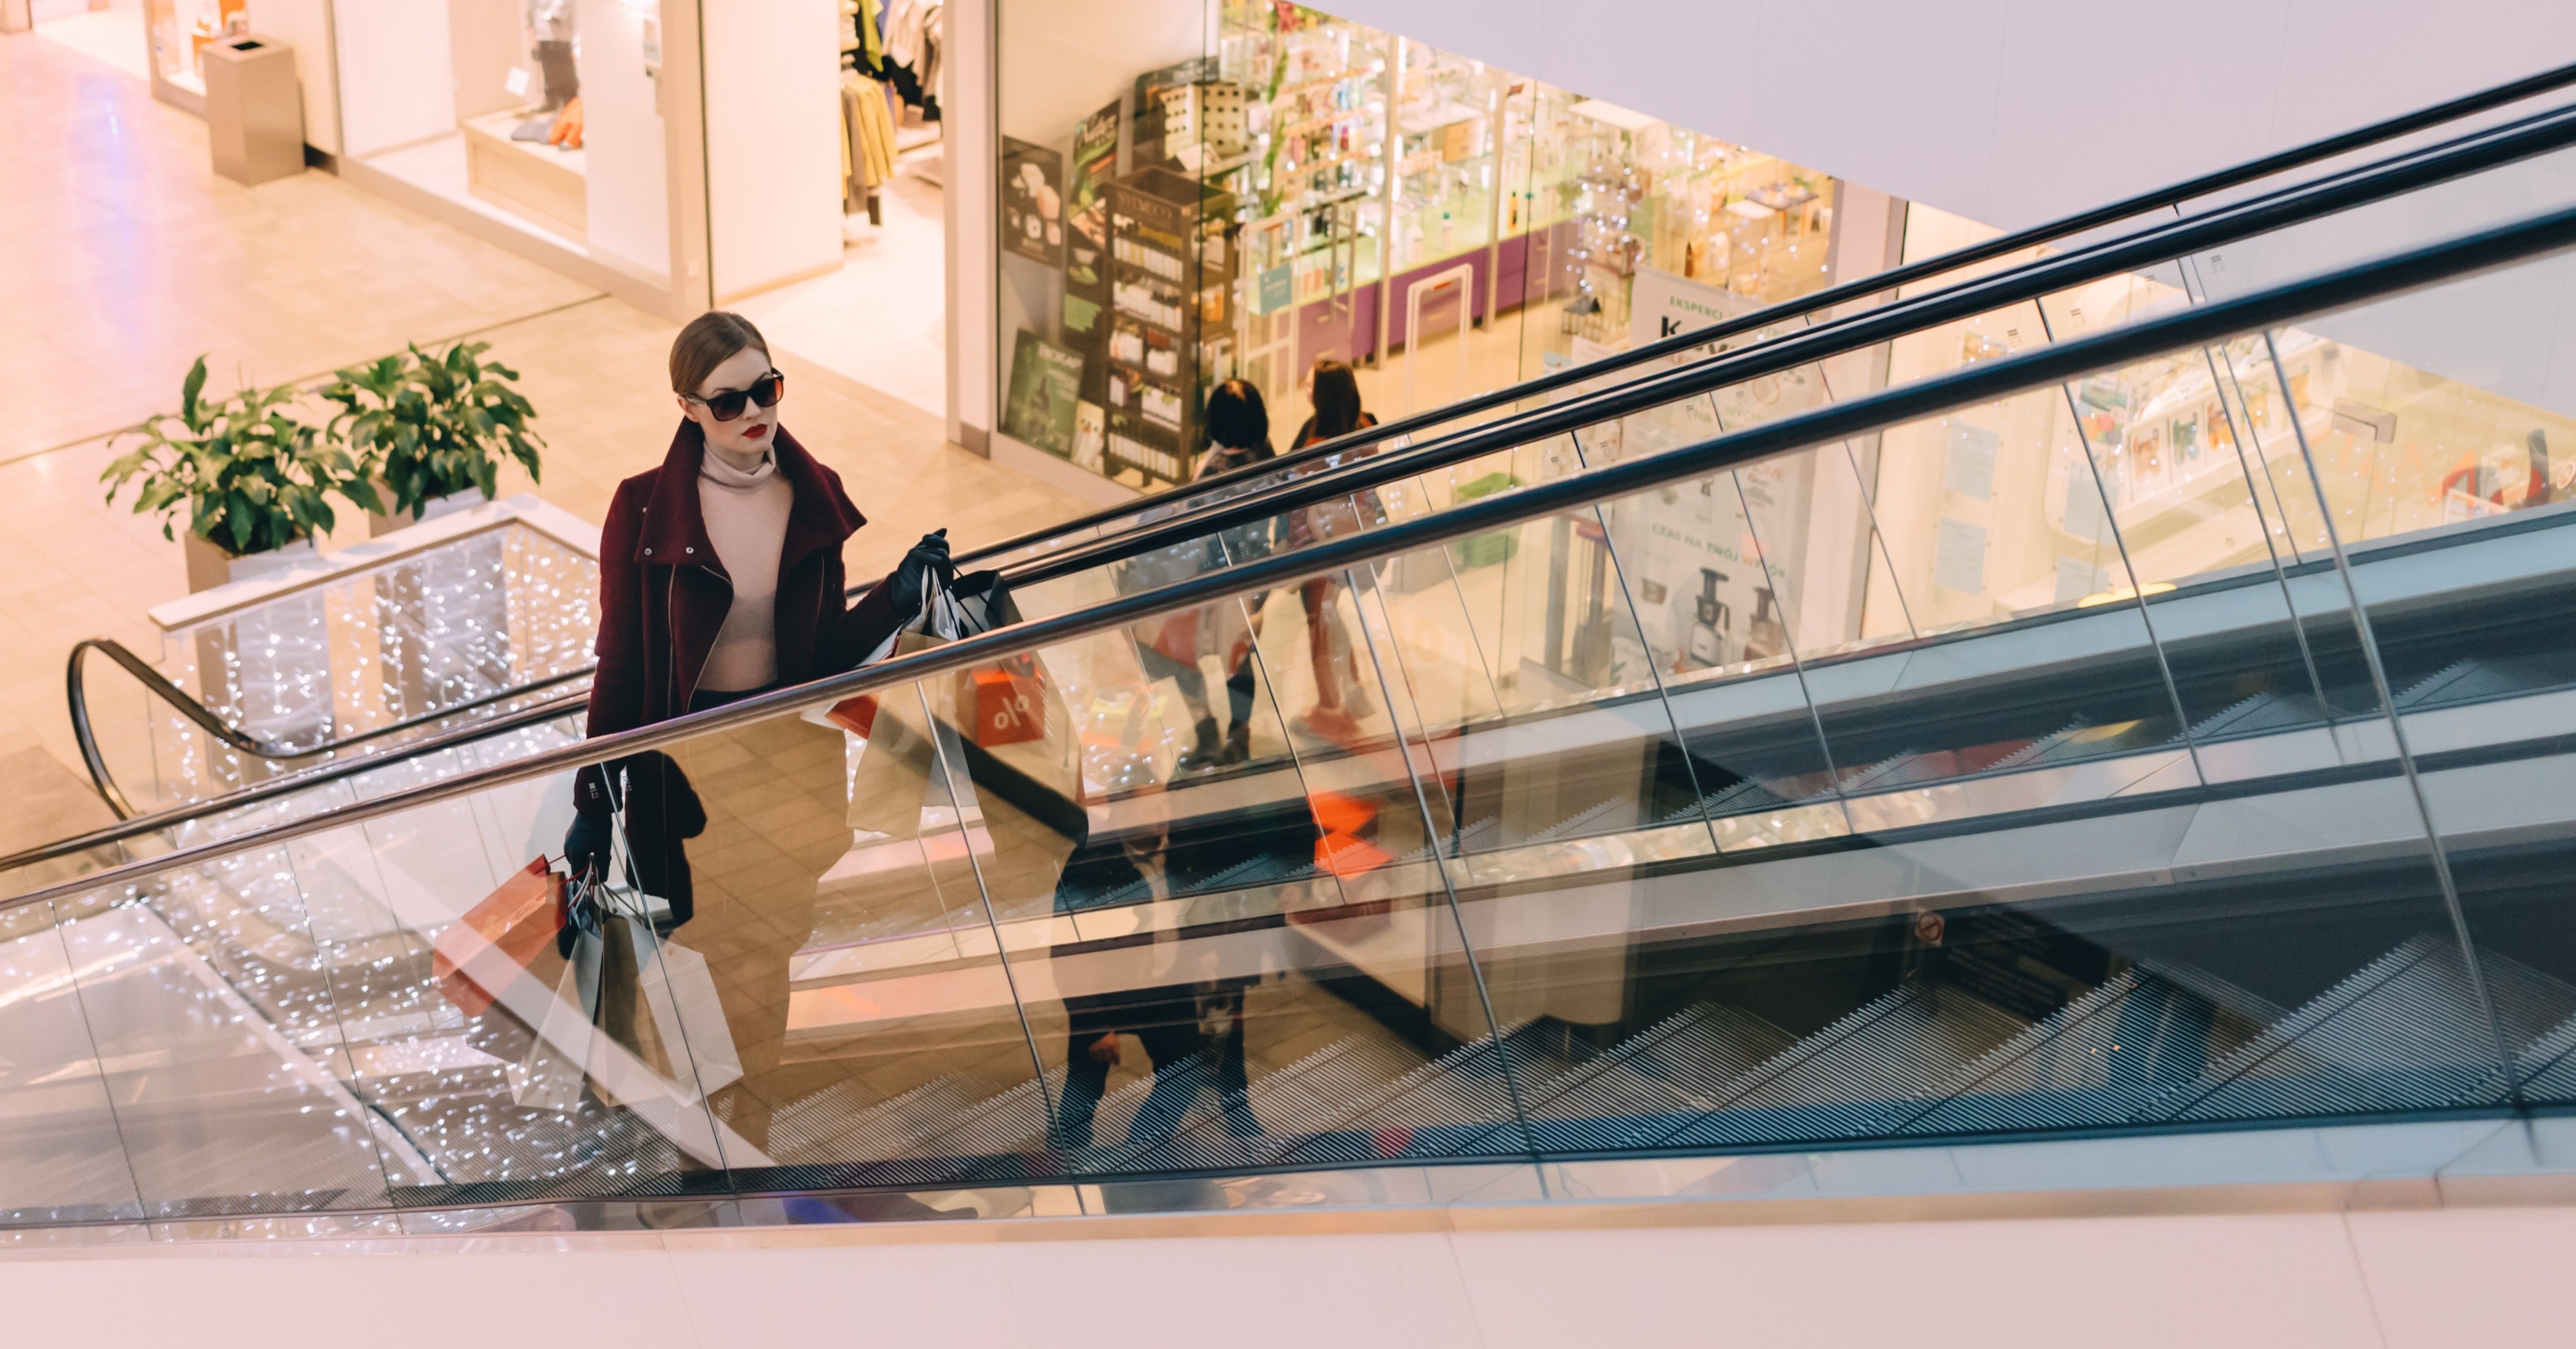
pixel 1984 382
pixel 212 722
pixel 2002 245
pixel 2473 153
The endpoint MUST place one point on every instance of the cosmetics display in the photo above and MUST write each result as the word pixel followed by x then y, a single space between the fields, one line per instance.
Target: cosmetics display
pixel 1350 183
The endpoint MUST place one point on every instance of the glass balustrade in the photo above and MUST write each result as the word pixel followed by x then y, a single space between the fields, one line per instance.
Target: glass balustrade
pixel 2037 765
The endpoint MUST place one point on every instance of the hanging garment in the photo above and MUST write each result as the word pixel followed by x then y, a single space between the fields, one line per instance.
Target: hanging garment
pixel 850 201
pixel 932 42
pixel 871 130
pixel 903 32
pixel 871 38
pixel 867 144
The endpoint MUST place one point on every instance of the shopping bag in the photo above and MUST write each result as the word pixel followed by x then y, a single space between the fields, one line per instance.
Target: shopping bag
pixel 892 780
pixel 586 905
pixel 1007 702
pixel 479 954
pixel 688 1019
pixel 1034 763
pixel 550 1074
pixel 1010 737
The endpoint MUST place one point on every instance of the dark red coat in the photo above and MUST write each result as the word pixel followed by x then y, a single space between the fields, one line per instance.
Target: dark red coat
pixel 663 594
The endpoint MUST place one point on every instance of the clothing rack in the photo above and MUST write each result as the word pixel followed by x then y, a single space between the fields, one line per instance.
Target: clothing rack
pixel 867 143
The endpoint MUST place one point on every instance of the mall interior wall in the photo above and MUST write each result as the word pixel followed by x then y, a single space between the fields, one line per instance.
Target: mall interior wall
pixel 773 108
pixel 2009 112
pixel 2410 1279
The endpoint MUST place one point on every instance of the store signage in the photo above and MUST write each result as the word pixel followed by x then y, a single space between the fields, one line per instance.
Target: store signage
pixel 1095 162
pixel 1033 201
pixel 1046 383
pixel 1662 305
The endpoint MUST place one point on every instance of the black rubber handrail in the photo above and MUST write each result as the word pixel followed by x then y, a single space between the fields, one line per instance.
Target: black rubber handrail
pixel 1980 383
pixel 76 691
pixel 1875 284
pixel 2478 152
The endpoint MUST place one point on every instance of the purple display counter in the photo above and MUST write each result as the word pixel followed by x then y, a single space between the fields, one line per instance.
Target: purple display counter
pixel 1346 327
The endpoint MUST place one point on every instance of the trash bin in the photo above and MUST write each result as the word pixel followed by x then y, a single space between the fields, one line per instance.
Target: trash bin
pixel 254 109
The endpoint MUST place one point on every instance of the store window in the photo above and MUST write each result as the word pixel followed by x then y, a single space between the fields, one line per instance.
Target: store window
pixel 1190 193
pixel 180 30
pixel 545 114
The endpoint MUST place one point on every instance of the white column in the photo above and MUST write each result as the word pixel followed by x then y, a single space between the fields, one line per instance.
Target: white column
pixel 967 117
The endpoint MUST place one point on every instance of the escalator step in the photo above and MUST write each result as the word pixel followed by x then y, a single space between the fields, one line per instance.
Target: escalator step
pixel 2094 1062
pixel 1851 1079
pixel 2403 1033
pixel 1660 1078
pixel 1288 1106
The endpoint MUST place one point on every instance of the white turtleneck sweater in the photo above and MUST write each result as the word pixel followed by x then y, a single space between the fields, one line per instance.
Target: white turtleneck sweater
pixel 746 515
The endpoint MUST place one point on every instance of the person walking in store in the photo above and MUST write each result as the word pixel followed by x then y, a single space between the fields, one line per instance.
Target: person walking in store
pixel 720 577
pixel 1333 391
pixel 1238 430
pixel 1237 425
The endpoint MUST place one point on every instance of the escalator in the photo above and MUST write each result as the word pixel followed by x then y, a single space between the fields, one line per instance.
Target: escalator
pixel 2124 835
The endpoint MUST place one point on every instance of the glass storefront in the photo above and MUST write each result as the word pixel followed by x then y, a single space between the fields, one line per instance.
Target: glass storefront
pixel 1192 194
pixel 543 114
pixel 180 30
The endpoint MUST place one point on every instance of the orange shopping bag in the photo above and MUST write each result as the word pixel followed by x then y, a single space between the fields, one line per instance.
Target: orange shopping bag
pixel 479 954
pixel 1008 701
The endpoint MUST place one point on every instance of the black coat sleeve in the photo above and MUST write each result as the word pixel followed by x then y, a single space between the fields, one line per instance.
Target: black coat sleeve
pixel 617 682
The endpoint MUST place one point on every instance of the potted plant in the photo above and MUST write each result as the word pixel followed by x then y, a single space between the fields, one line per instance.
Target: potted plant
pixel 433 427
pixel 254 478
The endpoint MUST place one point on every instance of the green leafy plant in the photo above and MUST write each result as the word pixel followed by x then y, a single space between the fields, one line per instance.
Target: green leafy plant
pixel 429 425
pixel 251 474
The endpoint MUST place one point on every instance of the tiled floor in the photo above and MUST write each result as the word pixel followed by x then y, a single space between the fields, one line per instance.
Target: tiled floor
pixel 127 258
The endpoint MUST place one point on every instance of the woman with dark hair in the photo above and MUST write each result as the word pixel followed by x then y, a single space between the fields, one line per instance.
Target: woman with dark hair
pixel 1333 390
pixel 1237 425
pixel 720 577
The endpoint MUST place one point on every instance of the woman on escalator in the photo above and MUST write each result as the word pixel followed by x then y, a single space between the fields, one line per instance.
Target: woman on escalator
pixel 1334 392
pixel 1238 433
pixel 720 577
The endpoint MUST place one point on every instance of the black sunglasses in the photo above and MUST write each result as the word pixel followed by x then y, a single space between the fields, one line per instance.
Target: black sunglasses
pixel 728 405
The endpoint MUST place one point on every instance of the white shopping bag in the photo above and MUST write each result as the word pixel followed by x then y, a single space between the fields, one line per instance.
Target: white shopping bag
pixel 687 1017
pixel 549 1077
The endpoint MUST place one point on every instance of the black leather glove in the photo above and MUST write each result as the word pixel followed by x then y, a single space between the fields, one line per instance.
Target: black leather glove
pixel 586 844
pixel 910 583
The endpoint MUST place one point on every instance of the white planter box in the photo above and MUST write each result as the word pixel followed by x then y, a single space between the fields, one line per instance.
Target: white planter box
pixel 379 526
